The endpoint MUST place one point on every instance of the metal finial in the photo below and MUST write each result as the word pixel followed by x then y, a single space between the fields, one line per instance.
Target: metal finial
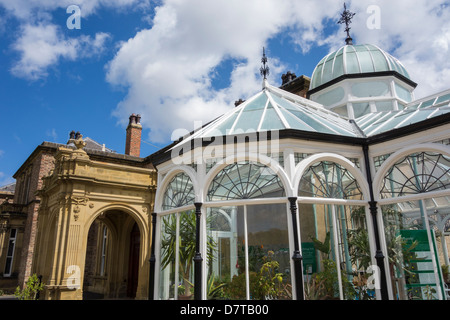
pixel 346 17
pixel 264 69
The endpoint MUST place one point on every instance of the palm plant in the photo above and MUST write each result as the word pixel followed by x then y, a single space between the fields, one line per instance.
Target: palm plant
pixel 186 241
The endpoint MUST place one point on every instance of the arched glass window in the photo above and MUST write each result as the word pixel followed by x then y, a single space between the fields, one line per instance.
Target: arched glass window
pixel 417 173
pixel 245 180
pixel 251 241
pixel 410 224
pixel 334 236
pixel 177 245
pixel 327 179
pixel 179 192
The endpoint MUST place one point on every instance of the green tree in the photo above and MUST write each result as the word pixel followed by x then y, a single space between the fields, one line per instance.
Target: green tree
pixel 32 288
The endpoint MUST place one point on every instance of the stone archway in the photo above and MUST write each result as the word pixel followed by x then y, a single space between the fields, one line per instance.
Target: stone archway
pixel 81 194
pixel 113 257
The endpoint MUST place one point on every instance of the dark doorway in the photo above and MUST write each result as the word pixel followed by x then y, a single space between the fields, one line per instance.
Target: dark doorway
pixel 133 265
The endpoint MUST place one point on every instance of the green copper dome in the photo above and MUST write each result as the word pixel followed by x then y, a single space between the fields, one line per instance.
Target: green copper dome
pixel 355 59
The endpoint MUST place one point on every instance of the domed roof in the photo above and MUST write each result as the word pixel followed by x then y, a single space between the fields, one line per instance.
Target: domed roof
pixel 355 59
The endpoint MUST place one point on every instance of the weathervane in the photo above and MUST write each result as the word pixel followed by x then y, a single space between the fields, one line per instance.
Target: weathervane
pixel 264 69
pixel 346 17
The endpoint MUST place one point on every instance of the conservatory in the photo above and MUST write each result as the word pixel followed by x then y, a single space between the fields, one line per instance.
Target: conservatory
pixel 285 197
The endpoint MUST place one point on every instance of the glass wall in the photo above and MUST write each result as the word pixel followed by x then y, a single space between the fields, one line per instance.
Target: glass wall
pixel 335 242
pixel 248 244
pixel 250 253
pixel 411 226
pixel 177 246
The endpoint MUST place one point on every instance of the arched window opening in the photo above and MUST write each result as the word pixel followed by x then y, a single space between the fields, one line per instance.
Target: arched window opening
pixel 335 242
pixel 417 173
pixel 245 180
pixel 327 179
pixel 179 192
pixel 251 254
pixel 413 227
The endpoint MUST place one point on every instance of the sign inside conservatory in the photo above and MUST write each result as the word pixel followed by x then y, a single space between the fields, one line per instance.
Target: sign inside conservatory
pixel 309 258
pixel 420 272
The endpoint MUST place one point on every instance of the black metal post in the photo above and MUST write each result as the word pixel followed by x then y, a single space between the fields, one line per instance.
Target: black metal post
pixel 297 257
pixel 379 257
pixel 151 281
pixel 198 256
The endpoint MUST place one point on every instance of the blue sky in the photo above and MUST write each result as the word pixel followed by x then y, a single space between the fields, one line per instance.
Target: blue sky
pixel 180 62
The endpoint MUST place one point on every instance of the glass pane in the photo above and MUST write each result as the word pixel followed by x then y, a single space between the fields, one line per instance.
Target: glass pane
pixel 186 253
pixel 223 128
pixel 383 106
pixel 352 62
pixel 11 245
pixel 443 98
pixel 8 266
pixel 360 109
pixel 331 97
pixel 379 61
pixel 338 69
pixel 403 93
pixel 226 258
pixel 271 120
pixel 370 89
pixel 317 79
pixel 328 69
pixel 329 180
pixel 167 282
pixel 179 192
pixel 365 61
pixel 245 180
pixel 335 239
pixel 268 252
pixel 249 119
pixel 413 262
pixel 417 173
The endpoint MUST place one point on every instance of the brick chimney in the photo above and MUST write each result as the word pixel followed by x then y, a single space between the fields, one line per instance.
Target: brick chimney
pixel 133 141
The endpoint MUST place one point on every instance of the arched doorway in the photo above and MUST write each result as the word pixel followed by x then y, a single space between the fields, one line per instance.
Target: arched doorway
pixel 112 257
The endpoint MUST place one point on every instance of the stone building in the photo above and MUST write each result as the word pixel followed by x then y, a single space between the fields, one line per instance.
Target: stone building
pixel 79 219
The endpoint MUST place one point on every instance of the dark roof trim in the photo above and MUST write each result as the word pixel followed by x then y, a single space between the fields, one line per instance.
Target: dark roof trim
pixel 362 75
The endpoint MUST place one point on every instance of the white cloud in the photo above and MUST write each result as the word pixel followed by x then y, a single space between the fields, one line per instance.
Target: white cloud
pixel 168 69
pixel 36 10
pixel 43 45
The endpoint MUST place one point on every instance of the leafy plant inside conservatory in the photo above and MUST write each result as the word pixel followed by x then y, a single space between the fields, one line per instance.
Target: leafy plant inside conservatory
pixel 186 241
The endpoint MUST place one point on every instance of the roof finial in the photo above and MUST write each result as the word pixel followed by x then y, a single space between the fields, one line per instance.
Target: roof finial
pixel 264 69
pixel 346 17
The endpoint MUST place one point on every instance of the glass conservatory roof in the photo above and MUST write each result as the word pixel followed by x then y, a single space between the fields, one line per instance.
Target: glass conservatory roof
pixel 275 109
pixel 354 59
pixel 416 111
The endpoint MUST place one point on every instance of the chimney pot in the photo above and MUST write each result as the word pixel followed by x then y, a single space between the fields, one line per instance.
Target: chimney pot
pixel 133 138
